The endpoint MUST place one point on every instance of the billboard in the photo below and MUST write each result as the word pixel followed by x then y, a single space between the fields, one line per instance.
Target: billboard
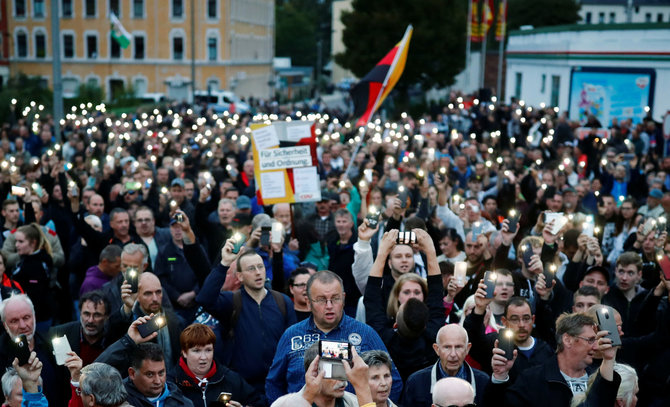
pixel 609 93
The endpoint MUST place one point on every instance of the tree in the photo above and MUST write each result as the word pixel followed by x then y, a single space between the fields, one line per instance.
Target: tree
pixel 300 24
pixel 25 89
pixel 436 51
pixel 542 13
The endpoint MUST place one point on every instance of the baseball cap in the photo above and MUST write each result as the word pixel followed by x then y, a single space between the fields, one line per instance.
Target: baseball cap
pixel 598 269
pixel 243 202
pixel 656 193
pixel 178 182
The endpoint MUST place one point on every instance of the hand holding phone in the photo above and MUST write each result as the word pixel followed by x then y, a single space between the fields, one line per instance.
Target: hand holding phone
pixel 152 325
pixel 332 355
pixel 406 238
pixel 460 270
pixel 513 218
pixel 238 239
pixel 21 349
pixel 132 276
pixel 527 253
pixel 506 342
pixel 607 323
pixel 372 217
pixel 490 278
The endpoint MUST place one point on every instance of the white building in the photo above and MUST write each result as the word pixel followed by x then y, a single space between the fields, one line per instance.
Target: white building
pixel 624 11
pixel 541 63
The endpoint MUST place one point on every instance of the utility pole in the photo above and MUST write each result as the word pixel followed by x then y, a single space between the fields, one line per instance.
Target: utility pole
pixel 192 51
pixel 56 70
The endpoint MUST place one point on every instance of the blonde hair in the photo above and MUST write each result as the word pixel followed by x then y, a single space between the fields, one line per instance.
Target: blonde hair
pixel 626 388
pixel 393 304
pixel 33 232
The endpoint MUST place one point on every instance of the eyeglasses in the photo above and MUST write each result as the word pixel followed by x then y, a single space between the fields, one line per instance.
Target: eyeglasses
pixel 456 405
pixel 323 301
pixel 590 341
pixel 301 285
pixel 514 320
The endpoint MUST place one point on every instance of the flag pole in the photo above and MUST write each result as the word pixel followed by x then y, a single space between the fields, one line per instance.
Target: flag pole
pixel 468 44
pixel 56 70
pixel 483 60
pixel 501 46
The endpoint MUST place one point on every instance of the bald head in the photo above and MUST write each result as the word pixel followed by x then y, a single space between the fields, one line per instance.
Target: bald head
pixel 453 391
pixel 149 293
pixel 452 331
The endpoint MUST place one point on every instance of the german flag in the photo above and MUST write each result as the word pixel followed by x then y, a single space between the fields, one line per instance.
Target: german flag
pixel 370 92
pixel 501 25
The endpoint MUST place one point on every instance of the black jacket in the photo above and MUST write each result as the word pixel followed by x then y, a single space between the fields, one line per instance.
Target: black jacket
pixel 174 399
pixel 629 310
pixel 224 380
pixel 33 272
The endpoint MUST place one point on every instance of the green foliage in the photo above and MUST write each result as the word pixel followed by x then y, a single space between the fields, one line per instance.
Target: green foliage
pixel 299 26
pixel 24 89
pixel 87 93
pixel 542 13
pixel 436 51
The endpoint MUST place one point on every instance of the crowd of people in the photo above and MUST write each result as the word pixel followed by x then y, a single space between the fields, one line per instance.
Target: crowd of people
pixel 470 256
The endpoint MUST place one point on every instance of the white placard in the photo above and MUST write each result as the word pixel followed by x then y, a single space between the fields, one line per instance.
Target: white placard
pixel 306 182
pixel 265 137
pixel 298 132
pixel 272 185
pixel 287 157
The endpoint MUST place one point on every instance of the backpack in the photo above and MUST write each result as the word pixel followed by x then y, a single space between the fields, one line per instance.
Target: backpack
pixel 237 308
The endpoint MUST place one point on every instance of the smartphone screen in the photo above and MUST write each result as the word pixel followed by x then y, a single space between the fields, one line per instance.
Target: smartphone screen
pixel 607 323
pixel 460 270
pixel 406 238
pixel 332 355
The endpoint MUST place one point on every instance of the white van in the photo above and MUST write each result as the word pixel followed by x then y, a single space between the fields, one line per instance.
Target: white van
pixel 220 100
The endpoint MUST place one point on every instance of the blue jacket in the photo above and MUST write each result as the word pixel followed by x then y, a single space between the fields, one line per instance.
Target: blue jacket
pixel 287 374
pixel 419 386
pixel 258 328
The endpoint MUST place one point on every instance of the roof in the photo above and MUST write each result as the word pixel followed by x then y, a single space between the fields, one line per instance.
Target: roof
pixel 593 27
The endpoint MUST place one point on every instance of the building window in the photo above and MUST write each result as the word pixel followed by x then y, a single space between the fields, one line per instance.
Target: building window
pixel 138 8
pixel 612 18
pixel 601 18
pixel 115 48
pixel 659 18
pixel 20 8
pixel 70 87
pixel 68 46
pixel 40 45
pixel 90 8
pixel 139 47
pixel 588 17
pixel 543 83
pixel 517 85
pixel 211 49
pixel 22 45
pixel 38 8
pixel 555 89
pixel 178 48
pixel 647 18
pixel 212 9
pixel 66 8
pixel 91 46
pixel 115 7
pixel 177 8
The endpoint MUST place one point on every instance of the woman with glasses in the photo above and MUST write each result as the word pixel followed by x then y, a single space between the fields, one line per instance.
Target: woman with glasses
pixel 297 287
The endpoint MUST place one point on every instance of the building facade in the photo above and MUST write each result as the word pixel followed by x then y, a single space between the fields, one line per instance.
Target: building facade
pixel 4 44
pixel 234 45
pixel 541 62
pixel 624 11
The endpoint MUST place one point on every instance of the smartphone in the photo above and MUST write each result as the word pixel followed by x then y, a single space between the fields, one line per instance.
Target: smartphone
pixel 514 216
pixel 476 230
pixel 460 271
pixel 265 235
pixel 224 398
pixel 132 276
pixel 332 355
pixel 147 183
pixel 38 189
pixel 506 342
pixel 549 216
pixel 131 186
pixel 151 326
pixel 21 349
pixel 527 253
pixel 61 348
pixel 549 273
pixel 372 217
pixel 664 262
pixel 277 232
pixel 628 156
pixel 587 228
pixel 559 222
pixel 406 238
pixel 179 217
pixel 238 239
pixel 490 278
pixel 402 195
pixel 18 191
pixel 607 323
pixel 648 226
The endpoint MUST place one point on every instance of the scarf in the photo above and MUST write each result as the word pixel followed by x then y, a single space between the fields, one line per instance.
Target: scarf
pixel 202 383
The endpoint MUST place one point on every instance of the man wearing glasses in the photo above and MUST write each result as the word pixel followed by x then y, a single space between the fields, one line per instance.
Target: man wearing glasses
pixel 328 322
pixel 519 318
pixel 251 336
pixel 557 380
